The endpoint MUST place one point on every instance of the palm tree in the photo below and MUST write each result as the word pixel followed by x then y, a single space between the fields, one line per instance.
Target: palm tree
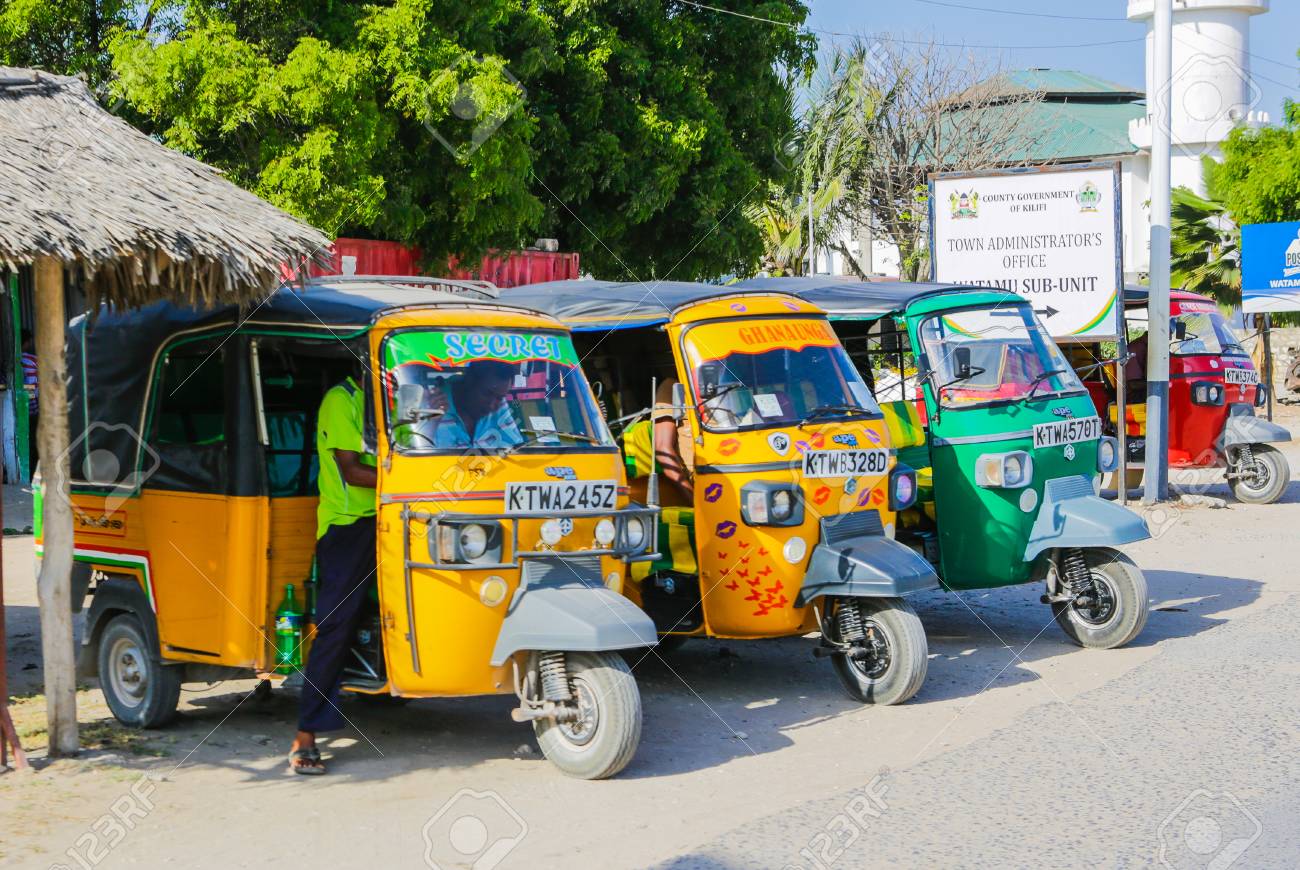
pixel 1205 248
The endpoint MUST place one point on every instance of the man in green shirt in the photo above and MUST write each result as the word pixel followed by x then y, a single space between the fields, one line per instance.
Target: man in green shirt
pixel 345 563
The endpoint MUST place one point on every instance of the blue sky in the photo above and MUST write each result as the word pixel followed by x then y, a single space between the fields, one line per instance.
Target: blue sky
pixel 1274 36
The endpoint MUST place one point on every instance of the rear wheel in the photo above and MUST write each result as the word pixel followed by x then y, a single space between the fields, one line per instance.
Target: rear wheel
pixel 889 665
pixel 1115 611
pixel 1263 479
pixel 139 689
pixel 602 738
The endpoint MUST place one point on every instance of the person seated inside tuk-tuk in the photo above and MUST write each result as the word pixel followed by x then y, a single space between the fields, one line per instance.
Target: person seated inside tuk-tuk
pixel 473 412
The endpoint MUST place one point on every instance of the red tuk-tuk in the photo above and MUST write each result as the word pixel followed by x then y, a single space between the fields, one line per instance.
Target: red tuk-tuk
pixel 1214 390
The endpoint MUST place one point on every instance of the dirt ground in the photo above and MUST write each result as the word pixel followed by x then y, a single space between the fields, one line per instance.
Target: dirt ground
pixel 748 749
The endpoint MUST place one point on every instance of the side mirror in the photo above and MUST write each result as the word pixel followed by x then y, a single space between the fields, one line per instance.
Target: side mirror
pixel 1178 329
pixel 679 401
pixel 709 375
pixel 961 361
pixel 410 398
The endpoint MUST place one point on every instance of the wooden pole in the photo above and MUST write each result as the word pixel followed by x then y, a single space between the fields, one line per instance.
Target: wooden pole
pixel 8 734
pixel 54 585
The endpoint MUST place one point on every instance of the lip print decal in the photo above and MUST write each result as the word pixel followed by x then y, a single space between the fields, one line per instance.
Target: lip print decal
pixel 822 493
pixel 818 439
pixel 713 492
pixel 779 442
pixel 726 529
pixel 728 447
pixel 739 306
pixel 871 436
pixel 793 306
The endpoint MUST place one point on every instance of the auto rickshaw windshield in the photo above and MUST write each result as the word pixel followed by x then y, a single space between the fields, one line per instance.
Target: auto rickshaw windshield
pixel 459 389
pixel 774 372
pixel 1208 333
pixel 992 354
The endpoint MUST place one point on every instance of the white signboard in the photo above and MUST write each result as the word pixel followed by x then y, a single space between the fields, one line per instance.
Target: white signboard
pixel 1049 235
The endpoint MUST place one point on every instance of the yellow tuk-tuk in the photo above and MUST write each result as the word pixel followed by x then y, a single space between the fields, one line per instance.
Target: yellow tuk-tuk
pixel 788 525
pixel 195 503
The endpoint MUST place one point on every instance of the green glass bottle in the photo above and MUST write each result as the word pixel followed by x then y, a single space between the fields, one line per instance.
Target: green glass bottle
pixel 288 634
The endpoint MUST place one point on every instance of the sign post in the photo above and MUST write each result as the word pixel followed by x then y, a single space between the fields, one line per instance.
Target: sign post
pixel 1050 234
pixel 1270 279
pixel 1270 267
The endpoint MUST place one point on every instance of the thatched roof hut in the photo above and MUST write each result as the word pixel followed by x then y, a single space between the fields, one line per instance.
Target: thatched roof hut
pixel 83 190
pixel 137 220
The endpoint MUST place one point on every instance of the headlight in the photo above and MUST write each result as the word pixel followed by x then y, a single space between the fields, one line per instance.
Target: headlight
pixel 473 541
pixel 1261 395
pixel 782 505
pixel 1107 454
pixel 1004 470
pixel 1207 393
pixel 635 533
pixel 902 488
pixel 460 543
pixel 768 503
pixel 552 531
pixel 605 532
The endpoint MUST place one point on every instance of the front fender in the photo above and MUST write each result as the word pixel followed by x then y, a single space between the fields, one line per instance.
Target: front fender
pixel 1071 516
pixel 868 566
pixel 573 614
pixel 1243 427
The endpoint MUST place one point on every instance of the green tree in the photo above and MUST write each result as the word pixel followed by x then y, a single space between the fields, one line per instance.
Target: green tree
pixel 68 36
pixel 1259 179
pixel 636 131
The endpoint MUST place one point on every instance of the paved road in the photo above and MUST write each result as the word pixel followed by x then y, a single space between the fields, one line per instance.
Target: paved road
pixel 1020 749
pixel 1195 752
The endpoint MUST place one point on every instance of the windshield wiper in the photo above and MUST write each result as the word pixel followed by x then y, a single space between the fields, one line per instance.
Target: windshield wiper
pixel 540 434
pixel 823 410
pixel 419 415
pixel 1033 386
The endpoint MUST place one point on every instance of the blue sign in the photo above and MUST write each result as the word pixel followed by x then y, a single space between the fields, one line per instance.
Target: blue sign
pixel 1270 267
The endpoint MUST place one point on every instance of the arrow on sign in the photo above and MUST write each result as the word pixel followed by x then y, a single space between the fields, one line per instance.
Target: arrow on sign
pixel 1049 311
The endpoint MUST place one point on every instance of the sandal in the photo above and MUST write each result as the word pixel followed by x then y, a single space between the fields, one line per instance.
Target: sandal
pixel 306 762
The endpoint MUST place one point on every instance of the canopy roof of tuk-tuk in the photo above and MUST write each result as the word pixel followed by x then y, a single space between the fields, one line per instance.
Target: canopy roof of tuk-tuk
pixel 845 298
pixel 1137 295
pixel 112 354
pixel 589 306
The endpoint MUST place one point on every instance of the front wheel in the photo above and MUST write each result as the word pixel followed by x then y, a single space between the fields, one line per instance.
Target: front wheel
pixel 1116 610
pixel 1263 480
pixel 888 666
pixel 139 689
pixel 603 737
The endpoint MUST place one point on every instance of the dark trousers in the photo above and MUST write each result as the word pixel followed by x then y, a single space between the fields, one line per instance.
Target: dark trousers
pixel 345 566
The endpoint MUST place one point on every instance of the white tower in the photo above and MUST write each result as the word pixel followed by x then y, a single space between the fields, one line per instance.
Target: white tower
pixel 1212 91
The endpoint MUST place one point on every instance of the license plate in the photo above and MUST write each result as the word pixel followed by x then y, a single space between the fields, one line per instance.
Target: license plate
pixel 1240 376
pixel 1067 432
pixel 543 497
pixel 845 463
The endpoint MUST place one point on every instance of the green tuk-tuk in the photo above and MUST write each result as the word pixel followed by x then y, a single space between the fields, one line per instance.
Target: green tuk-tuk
pixel 1006 443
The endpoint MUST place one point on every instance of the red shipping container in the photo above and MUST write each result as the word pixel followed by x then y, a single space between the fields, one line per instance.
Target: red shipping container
pixel 504 269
